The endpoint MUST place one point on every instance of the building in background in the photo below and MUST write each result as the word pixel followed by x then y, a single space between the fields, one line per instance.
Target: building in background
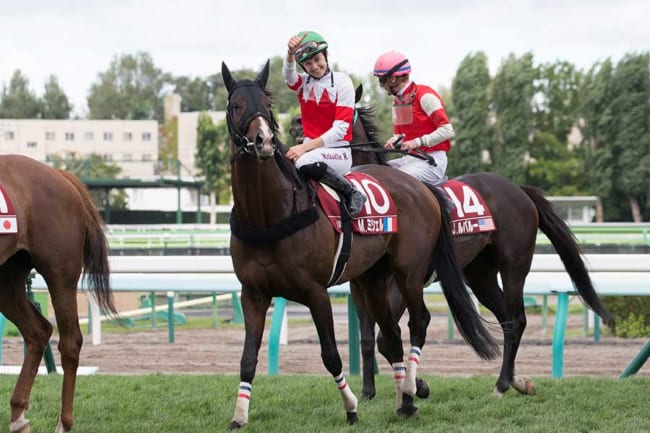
pixel 131 144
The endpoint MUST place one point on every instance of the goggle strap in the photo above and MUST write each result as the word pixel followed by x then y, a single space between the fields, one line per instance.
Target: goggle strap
pixel 394 69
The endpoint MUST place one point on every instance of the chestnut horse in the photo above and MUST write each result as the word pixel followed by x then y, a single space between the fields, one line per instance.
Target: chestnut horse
pixel 60 233
pixel 282 244
pixel 519 212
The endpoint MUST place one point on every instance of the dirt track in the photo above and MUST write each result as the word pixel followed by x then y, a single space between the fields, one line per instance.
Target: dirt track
pixel 219 351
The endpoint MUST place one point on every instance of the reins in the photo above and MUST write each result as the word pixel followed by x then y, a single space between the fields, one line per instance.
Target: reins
pixel 370 147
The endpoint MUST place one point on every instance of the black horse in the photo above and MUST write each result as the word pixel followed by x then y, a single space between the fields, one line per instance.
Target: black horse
pixel 519 212
pixel 282 244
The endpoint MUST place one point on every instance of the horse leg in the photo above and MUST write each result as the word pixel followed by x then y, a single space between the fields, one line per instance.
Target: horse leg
pixel 510 313
pixel 36 332
pixel 513 289
pixel 64 302
pixel 389 343
pixel 321 312
pixel 367 329
pixel 254 306
pixel 419 318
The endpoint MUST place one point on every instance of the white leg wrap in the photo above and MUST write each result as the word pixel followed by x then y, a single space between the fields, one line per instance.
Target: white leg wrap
pixel 243 401
pixel 19 423
pixel 349 399
pixel 411 371
pixel 399 374
pixel 59 427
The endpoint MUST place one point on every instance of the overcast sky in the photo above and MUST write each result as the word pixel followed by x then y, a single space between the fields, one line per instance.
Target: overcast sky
pixel 77 39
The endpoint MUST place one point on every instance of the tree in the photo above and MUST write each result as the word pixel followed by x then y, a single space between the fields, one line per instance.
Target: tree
pixel 213 155
pixel 512 95
pixel 597 126
pixel 470 100
pixel 195 92
pixel 557 99
pixel 55 103
pixel 131 88
pixel 631 143
pixel 18 101
pixel 94 167
pixel 553 167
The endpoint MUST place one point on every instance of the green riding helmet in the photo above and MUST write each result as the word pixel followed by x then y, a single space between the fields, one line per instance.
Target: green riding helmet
pixel 310 46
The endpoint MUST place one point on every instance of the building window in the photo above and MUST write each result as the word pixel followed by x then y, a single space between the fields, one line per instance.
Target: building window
pixel 50 136
pixel 32 144
pixel 9 135
pixel 127 136
pixel 127 157
pixel 146 157
pixel 107 157
pixel 146 136
pixel 69 136
pixel 108 136
pixel 89 136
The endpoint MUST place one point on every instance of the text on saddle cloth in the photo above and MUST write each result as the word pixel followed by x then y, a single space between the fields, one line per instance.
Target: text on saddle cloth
pixel 8 222
pixel 379 214
pixel 471 214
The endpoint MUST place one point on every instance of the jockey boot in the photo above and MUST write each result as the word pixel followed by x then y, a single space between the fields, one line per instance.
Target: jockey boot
pixel 354 199
pixel 448 205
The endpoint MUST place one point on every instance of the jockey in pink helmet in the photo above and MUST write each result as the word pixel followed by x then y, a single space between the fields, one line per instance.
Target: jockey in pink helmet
pixel 327 107
pixel 419 120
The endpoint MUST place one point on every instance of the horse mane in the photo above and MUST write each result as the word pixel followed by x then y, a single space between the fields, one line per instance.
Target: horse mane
pixel 369 121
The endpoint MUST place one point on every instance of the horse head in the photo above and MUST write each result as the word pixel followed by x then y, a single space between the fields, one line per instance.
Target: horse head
pixel 250 119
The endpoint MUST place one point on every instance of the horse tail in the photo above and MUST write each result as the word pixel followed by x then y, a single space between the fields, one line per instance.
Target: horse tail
pixel 450 275
pixel 564 242
pixel 96 269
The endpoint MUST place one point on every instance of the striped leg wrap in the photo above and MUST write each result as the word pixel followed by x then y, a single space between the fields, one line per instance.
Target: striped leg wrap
pixel 243 401
pixel 399 374
pixel 411 370
pixel 349 399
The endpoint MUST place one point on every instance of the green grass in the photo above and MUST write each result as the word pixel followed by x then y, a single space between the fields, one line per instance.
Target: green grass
pixel 284 404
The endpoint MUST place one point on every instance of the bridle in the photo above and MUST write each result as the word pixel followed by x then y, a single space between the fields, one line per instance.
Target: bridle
pixel 254 109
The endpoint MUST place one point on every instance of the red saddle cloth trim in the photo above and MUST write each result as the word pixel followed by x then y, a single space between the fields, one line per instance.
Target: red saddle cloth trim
pixel 379 214
pixel 471 214
pixel 8 222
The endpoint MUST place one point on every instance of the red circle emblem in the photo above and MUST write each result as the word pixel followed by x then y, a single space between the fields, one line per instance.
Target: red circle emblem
pixel 6 224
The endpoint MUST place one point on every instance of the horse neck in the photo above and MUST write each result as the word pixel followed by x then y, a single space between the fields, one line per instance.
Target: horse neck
pixel 262 195
pixel 359 157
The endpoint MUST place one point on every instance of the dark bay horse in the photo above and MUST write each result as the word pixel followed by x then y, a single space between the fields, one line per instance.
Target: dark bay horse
pixel 60 233
pixel 519 212
pixel 283 245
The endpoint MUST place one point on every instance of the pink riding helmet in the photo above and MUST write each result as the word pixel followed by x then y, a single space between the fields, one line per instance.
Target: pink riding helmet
pixel 392 63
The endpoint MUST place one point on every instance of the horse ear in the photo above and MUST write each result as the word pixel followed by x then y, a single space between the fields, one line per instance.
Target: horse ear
pixel 357 93
pixel 227 77
pixel 263 76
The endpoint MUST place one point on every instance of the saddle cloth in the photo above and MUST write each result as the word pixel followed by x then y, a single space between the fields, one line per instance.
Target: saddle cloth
pixel 379 214
pixel 471 214
pixel 8 223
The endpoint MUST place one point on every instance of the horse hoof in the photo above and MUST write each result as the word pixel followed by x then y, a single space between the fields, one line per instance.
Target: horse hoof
pixel 408 412
pixel 524 385
pixel 234 426
pixel 498 394
pixel 423 390
pixel 367 396
pixel 352 418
